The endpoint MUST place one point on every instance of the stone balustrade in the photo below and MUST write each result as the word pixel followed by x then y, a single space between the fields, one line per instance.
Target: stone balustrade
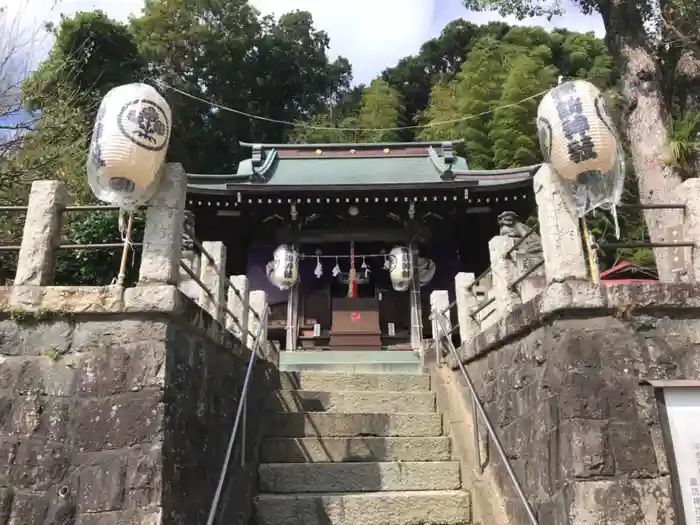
pixel 514 279
pixel 113 399
pixel 171 254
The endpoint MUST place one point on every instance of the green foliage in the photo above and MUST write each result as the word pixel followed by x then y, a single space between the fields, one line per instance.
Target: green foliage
pixel 513 130
pixel 499 72
pixel 97 267
pixel 91 54
pixel 225 52
pixel 379 107
pixel 685 143
pixel 222 51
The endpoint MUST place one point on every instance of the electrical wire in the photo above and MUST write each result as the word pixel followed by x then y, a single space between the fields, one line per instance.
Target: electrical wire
pixel 162 84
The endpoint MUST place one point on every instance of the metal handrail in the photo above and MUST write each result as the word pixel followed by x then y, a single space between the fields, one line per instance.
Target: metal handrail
pixel 526 274
pixel 240 414
pixel 520 241
pixel 487 421
pixel 479 307
pixel 479 279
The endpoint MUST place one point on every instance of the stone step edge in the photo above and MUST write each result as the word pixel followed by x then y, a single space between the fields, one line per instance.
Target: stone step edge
pixel 392 392
pixel 353 464
pixel 331 414
pixel 375 494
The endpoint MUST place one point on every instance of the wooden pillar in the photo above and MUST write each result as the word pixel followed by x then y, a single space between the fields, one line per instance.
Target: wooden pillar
pixel 416 310
pixel 292 328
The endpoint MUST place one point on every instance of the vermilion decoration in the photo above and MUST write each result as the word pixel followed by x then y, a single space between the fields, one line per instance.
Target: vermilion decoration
pixel 355 316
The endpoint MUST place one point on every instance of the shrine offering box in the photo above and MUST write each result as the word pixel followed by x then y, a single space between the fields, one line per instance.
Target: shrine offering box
pixel 355 324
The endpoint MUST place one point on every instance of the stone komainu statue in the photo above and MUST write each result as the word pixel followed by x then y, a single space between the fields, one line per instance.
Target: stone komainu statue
pixel 188 234
pixel 529 252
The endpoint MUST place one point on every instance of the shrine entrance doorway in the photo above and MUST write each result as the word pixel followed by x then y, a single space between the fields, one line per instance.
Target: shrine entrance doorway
pixel 326 307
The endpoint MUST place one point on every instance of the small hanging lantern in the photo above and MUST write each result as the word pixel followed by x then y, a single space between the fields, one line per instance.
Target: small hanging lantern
pixel 283 269
pixel 401 271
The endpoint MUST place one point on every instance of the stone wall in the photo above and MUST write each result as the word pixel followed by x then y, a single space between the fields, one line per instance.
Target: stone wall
pixel 127 399
pixel 560 378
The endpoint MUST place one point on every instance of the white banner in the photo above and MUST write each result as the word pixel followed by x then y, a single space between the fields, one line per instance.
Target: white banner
pixel 683 408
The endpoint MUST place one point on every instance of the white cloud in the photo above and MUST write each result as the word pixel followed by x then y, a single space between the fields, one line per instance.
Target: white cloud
pixel 372 34
pixel 31 15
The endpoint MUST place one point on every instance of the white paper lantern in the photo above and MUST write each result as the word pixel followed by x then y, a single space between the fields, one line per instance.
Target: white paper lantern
pixel 283 269
pixel 401 271
pixel 129 143
pixel 576 132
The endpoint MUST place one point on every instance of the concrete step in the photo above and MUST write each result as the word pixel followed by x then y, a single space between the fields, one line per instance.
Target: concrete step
pixel 342 381
pixel 351 401
pixel 349 356
pixel 379 508
pixel 329 424
pixel 356 361
pixel 356 368
pixel 333 449
pixel 285 478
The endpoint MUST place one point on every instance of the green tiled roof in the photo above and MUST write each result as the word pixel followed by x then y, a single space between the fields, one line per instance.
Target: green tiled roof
pixel 347 171
pixel 359 165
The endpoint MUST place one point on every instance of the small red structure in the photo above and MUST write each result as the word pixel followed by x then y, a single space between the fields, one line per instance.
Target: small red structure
pixel 627 273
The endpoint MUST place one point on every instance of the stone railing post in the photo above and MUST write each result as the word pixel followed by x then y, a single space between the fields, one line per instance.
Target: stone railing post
pixel 562 247
pixel 162 236
pixel 190 257
pixel 238 302
pixel 258 304
pixel 504 272
pixel 42 233
pixel 213 276
pixel 467 302
pixel 441 321
pixel 686 194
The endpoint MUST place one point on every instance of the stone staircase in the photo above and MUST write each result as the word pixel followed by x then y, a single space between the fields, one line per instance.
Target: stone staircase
pixel 357 449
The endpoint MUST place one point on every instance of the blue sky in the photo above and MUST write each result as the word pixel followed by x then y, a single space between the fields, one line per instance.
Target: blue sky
pixel 372 34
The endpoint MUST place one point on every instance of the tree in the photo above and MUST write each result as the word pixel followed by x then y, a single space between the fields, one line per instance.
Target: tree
pixel 379 108
pixel 91 54
pixel 224 52
pixel 513 130
pixel 650 57
pixel 438 62
pixel 443 107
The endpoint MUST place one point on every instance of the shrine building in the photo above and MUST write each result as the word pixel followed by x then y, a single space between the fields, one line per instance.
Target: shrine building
pixel 344 203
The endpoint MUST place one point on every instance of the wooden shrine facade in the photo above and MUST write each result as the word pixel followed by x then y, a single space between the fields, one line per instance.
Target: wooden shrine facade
pixel 329 199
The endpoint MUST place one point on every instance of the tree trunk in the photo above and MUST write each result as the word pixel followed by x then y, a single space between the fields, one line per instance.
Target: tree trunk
pixel 647 119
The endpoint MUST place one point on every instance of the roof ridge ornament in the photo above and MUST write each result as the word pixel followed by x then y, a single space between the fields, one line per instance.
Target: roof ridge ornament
pixel 448 156
pixel 257 155
pixel 261 163
pixel 440 164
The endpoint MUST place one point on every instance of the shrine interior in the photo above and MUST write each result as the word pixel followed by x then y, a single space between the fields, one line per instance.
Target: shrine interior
pixel 450 233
